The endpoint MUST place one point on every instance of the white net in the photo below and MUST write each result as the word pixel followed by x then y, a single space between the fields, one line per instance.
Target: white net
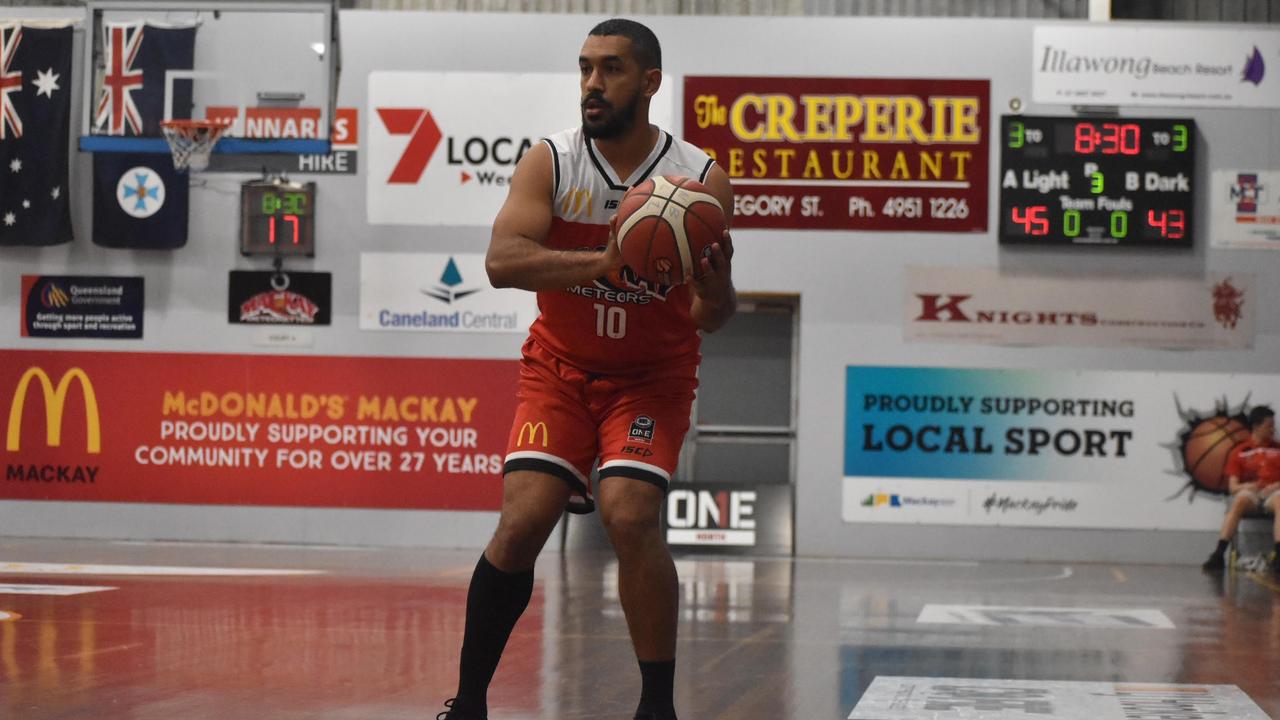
pixel 192 141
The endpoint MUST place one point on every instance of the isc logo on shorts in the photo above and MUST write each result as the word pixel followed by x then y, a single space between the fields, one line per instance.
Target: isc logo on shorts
pixel 641 430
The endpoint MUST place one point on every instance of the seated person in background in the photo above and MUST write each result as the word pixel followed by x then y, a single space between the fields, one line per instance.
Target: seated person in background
pixel 1253 470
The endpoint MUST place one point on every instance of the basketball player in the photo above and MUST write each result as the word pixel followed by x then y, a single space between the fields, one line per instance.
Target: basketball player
pixel 608 371
pixel 1253 473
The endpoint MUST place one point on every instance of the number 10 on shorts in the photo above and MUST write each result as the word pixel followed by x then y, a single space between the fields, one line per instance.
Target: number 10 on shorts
pixel 611 321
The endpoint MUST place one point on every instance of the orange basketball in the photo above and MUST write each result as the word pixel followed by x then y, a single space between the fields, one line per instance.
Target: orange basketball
pixel 666 225
pixel 1206 447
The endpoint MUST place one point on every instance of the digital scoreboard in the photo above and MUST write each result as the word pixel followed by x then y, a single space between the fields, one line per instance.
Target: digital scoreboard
pixel 1088 181
pixel 277 218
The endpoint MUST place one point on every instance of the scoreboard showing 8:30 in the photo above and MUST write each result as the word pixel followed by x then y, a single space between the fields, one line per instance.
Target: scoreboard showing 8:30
pixel 1092 181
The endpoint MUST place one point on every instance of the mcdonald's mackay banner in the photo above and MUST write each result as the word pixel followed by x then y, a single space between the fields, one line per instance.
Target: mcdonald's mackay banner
pixel 361 432
pixel 847 153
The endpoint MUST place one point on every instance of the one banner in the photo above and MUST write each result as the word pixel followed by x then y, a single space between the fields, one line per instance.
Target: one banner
pixel 1021 616
pixel 29 589
pixel 847 153
pixel 1092 64
pixel 437 292
pixel 140 200
pixel 35 117
pixel 361 432
pixel 981 305
pixel 443 145
pixel 300 122
pixel 908 698
pixel 1043 448
pixel 733 518
pixel 279 298
pixel 82 306
pixel 1245 208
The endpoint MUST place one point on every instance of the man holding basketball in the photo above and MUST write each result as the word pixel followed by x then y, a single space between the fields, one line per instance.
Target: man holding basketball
pixel 1253 474
pixel 608 371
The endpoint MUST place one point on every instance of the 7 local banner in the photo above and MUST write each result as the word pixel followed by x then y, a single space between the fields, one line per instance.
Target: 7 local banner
pixel 1245 207
pixel 360 432
pixel 847 153
pixel 980 305
pixel 1143 65
pixel 443 145
pixel 438 292
pixel 1043 448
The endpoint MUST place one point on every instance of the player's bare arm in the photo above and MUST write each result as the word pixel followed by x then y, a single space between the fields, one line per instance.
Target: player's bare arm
pixel 518 255
pixel 714 299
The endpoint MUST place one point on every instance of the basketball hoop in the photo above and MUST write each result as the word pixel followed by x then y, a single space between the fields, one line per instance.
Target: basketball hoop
pixel 192 141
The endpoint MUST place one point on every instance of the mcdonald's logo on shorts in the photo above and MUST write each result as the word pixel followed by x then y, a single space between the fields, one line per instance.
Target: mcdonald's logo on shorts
pixel 55 399
pixel 532 430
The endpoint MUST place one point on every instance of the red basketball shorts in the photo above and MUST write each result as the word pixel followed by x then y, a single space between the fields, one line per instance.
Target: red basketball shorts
pixel 567 418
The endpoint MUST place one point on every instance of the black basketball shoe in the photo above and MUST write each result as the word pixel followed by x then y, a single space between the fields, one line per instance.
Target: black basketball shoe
pixel 456 713
pixel 657 716
pixel 1215 563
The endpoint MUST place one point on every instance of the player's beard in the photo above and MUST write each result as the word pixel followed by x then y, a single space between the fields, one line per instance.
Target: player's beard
pixel 615 122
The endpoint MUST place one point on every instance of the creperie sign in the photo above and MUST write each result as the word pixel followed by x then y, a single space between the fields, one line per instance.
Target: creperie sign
pixel 838 129
pixel 842 118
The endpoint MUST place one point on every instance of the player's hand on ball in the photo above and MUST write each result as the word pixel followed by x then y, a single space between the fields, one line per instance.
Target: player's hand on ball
pixel 713 279
pixel 612 256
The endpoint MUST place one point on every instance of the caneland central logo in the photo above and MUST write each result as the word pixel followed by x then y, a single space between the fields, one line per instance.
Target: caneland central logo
pixel 55 399
pixel 450 279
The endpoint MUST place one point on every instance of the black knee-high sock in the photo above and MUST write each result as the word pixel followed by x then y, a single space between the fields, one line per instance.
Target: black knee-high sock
pixel 495 602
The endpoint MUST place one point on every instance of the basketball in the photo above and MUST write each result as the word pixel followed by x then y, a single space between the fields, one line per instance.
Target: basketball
pixel 1206 448
pixel 666 225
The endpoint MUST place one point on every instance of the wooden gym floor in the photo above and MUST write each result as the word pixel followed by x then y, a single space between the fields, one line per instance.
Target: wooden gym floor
pixel 373 634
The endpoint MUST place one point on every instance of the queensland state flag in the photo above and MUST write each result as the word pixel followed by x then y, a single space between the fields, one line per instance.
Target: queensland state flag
pixel 139 200
pixel 35 122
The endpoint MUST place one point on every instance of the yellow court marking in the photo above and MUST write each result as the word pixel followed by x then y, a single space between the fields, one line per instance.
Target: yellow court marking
pixel 1264 582
pixel 6 616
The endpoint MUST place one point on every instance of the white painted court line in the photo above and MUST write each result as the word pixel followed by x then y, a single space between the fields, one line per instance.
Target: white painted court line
pixel 51 589
pixel 26 568
pixel 910 698
pixel 1070 617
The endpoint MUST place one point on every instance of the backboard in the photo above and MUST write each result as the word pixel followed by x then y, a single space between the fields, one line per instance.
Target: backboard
pixel 270 68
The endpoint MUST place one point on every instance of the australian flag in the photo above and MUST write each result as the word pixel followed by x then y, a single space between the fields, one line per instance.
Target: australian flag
pixel 139 200
pixel 35 122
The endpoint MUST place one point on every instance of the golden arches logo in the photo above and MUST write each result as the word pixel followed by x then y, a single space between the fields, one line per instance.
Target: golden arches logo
pixel 55 398
pixel 532 429
pixel 577 201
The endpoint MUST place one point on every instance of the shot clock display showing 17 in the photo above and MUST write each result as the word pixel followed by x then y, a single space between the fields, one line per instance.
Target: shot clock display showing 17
pixel 277 218
pixel 1092 181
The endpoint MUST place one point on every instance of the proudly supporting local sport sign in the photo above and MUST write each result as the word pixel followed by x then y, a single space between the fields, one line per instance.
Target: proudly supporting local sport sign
pixel 847 153
pixel 360 432
pixel 1035 448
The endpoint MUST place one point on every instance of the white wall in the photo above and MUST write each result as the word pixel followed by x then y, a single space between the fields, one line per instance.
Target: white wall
pixel 850 283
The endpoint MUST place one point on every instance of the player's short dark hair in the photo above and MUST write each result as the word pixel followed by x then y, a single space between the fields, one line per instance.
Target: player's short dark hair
pixel 1259 415
pixel 643 41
